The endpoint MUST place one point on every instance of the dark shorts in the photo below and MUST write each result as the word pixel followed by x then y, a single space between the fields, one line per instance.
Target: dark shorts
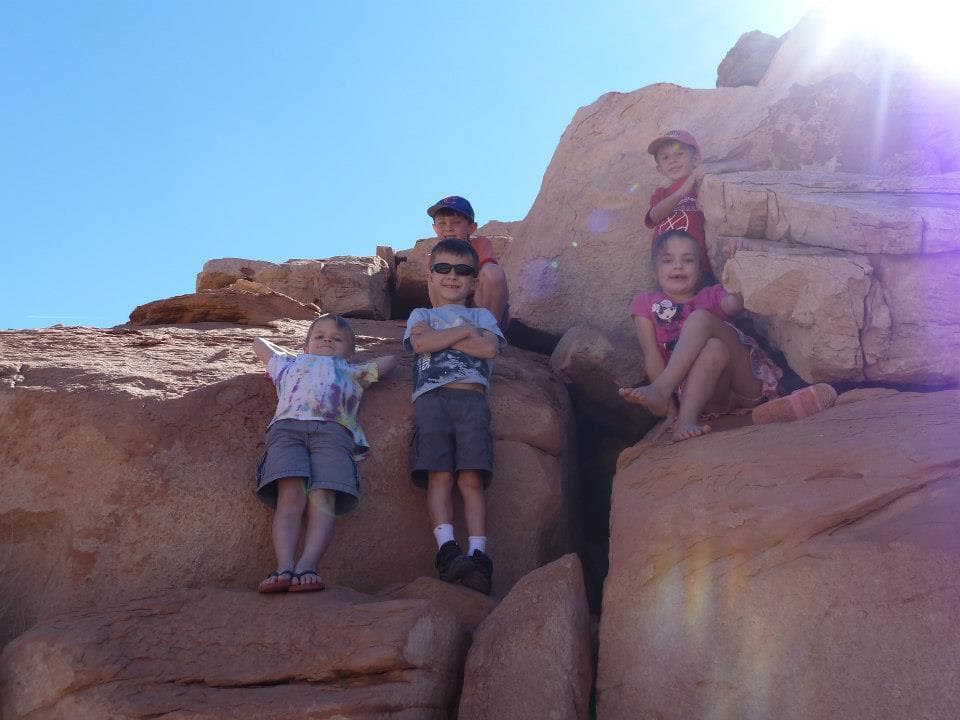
pixel 451 432
pixel 319 452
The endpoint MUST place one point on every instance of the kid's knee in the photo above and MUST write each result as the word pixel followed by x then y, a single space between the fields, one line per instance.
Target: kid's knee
pixel 699 316
pixel 492 272
pixel 715 351
pixel 470 482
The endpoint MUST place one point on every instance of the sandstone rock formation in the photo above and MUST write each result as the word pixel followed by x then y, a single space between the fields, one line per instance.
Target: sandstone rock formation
pixel 243 302
pixel 346 285
pixel 747 62
pixel 582 251
pixel 856 263
pixel 530 658
pixel 806 570
pixel 128 461
pixel 594 370
pixel 226 655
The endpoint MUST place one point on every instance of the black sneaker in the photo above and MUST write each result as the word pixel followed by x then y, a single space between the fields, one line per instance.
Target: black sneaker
pixel 479 576
pixel 451 563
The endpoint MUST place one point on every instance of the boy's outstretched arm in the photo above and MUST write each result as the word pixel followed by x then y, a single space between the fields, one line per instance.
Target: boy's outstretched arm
pixel 266 349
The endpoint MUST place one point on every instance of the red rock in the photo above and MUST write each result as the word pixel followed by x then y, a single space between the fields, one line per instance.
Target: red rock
pixel 244 303
pixel 114 436
pixel 582 251
pixel 807 570
pixel 747 62
pixel 346 285
pixel 530 658
pixel 220 654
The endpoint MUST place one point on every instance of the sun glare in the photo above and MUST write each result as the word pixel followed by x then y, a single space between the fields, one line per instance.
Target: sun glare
pixel 923 31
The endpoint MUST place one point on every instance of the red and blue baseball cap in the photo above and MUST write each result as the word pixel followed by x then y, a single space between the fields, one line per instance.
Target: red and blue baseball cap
pixel 680 136
pixel 455 203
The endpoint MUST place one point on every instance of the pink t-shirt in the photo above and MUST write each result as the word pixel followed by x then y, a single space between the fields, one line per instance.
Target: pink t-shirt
pixel 668 316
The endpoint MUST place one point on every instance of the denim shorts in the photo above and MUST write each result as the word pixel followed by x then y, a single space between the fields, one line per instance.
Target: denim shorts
pixel 451 433
pixel 319 452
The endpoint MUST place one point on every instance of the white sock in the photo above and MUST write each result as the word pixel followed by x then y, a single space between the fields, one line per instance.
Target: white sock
pixel 477 542
pixel 443 533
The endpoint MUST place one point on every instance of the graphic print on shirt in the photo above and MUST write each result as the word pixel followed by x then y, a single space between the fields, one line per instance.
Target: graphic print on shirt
pixel 669 315
pixel 678 219
pixel 438 368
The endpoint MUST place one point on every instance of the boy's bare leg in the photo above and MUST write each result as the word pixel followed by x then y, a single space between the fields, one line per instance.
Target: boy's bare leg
pixel 291 499
pixel 492 292
pixel 470 483
pixel 320 519
pixel 440 497
pixel 697 329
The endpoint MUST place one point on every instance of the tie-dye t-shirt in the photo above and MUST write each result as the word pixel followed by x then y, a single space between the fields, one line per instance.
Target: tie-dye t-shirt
pixel 317 387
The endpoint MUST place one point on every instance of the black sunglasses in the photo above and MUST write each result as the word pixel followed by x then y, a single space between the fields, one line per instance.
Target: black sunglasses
pixel 461 269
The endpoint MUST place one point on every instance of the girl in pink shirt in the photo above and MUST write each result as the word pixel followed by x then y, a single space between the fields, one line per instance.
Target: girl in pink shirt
pixel 690 347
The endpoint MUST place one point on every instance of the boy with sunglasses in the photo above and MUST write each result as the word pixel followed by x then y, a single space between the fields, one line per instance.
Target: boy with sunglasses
pixel 454 345
pixel 453 217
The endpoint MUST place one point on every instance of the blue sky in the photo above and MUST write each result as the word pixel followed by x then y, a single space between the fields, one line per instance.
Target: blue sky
pixel 139 139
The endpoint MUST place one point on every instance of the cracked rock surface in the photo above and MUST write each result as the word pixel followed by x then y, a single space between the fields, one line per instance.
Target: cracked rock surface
pixel 220 654
pixel 808 570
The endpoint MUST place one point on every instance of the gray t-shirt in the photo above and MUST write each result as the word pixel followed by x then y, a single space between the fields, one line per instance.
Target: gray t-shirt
pixel 433 370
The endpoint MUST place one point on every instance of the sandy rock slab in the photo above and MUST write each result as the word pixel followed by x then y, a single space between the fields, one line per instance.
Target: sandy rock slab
pixel 835 266
pixel 219 654
pixel 128 460
pixel 530 659
pixel 244 302
pixel 346 285
pixel 808 570
pixel 865 214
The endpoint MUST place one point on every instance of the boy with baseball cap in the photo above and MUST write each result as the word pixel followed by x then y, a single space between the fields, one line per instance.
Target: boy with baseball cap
pixel 675 206
pixel 453 217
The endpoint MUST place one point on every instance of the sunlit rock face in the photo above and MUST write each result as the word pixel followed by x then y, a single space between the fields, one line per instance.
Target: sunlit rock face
pixel 227 655
pixel 129 455
pixel 582 251
pixel 346 285
pixel 804 572
pixel 845 270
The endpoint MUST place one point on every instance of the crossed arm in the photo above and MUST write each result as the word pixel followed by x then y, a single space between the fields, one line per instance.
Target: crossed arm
pixel 468 339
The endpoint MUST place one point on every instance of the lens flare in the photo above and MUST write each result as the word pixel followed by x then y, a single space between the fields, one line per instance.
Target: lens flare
pixel 922 31
pixel 598 221
pixel 538 278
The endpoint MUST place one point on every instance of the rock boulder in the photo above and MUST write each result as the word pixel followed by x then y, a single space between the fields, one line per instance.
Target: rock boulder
pixel 129 454
pixel 345 285
pixel 530 658
pixel 226 655
pixel 807 570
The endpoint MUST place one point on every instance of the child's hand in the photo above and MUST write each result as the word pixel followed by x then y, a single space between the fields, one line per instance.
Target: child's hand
pixel 735 244
pixel 420 328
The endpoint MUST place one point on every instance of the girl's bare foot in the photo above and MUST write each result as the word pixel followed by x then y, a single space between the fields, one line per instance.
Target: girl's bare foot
pixel 648 396
pixel 686 429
